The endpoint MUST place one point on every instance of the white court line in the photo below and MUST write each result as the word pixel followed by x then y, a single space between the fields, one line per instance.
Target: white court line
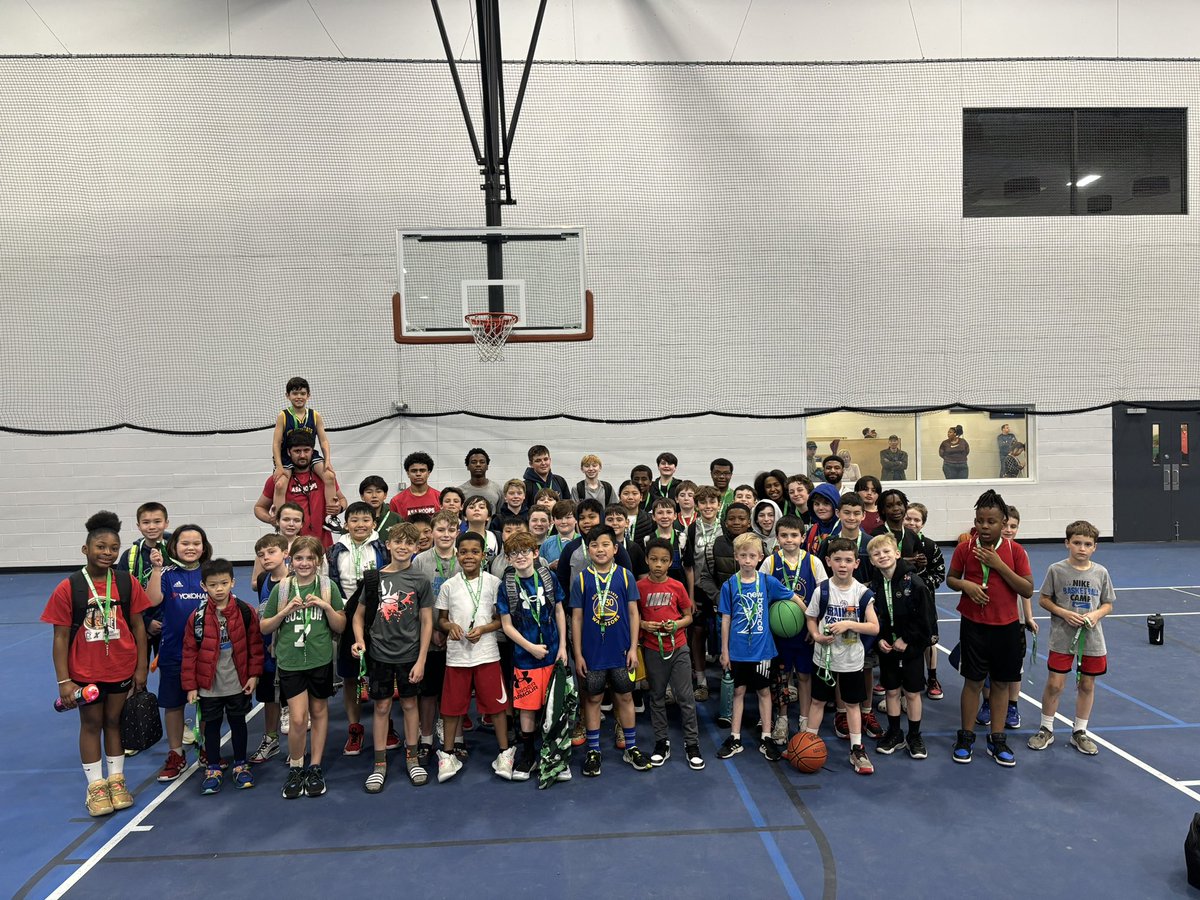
pixel 1189 593
pixel 1109 616
pixel 1184 787
pixel 1190 783
pixel 134 824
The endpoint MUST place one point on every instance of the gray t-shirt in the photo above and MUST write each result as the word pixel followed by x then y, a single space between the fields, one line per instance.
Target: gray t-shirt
pixel 491 491
pixel 396 631
pixel 846 653
pixel 225 682
pixel 1081 591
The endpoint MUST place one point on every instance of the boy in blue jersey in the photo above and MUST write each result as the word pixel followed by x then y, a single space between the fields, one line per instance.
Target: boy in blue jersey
pixel 605 643
pixel 747 646
pixel 299 418
pixel 270 552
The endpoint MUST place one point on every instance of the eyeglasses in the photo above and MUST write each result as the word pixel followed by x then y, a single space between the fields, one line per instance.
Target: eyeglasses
pixel 517 553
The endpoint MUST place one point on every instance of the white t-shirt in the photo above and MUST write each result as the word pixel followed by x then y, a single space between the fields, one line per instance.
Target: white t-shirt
pixel 458 598
pixel 848 653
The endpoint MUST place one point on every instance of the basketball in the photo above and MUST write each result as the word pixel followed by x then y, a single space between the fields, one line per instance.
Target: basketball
pixel 786 619
pixel 806 752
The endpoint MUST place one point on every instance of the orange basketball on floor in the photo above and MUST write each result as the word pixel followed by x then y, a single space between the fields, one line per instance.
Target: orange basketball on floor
pixel 806 752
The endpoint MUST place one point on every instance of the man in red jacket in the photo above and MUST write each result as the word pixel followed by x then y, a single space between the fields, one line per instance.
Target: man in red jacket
pixel 222 661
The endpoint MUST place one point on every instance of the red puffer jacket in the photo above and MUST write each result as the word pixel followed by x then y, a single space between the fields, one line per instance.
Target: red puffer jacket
pixel 200 661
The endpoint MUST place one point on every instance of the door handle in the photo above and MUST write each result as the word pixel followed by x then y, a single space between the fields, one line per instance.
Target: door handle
pixel 1175 477
pixel 1166 469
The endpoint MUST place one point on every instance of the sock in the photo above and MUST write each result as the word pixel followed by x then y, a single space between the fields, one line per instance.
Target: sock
pixel 593 738
pixel 855 738
pixel 381 757
pixel 296 763
pixel 894 723
pixel 178 751
pixel 94 771
pixel 811 729
pixel 1080 725
pixel 630 738
pixel 273 735
pixel 841 710
pixel 427 739
pixel 914 727
pixel 116 764
pixel 527 739
pixel 736 735
pixel 1048 722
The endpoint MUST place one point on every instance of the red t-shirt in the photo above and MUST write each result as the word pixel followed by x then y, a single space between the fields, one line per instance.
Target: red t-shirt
pixel 661 602
pixel 1001 608
pixel 404 503
pixel 87 661
pixel 307 491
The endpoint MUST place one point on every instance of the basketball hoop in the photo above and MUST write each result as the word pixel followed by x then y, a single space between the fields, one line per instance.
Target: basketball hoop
pixel 490 331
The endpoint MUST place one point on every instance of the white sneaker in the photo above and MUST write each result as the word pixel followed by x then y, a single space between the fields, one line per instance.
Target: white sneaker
pixel 502 765
pixel 189 731
pixel 285 721
pixel 802 725
pixel 448 766
pixel 779 734
pixel 564 775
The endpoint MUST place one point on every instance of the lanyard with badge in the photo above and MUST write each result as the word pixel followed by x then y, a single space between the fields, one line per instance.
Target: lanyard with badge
pixel 535 602
pixel 887 597
pixel 603 596
pixel 987 569
pixel 476 598
pixel 307 627
pixel 104 603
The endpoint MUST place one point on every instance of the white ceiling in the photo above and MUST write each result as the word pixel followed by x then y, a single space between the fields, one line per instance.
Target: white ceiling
pixel 623 30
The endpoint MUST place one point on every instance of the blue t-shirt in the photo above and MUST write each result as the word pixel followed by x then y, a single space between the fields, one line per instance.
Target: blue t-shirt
pixel 605 633
pixel 533 616
pixel 750 638
pixel 552 548
pixel 182 593
pixel 803 583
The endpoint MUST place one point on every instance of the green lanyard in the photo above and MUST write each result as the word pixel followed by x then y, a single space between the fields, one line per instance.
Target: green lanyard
pixel 445 572
pixel 299 424
pixel 662 648
pixel 1080 640
pixel 986 569
pixel 356 556
pixel 304 609
pixel 535 601
pixel 887 597
pixel 476 597
pixel 752 610
pixel 602 584
pixel 105 602
pixel 790 580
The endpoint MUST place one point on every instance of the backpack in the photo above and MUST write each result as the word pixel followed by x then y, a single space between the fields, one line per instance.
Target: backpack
pixel 1191 852
pixel 868 640
pixel 512 591
pixel 201 614
pixel 141 727
pixel 81 597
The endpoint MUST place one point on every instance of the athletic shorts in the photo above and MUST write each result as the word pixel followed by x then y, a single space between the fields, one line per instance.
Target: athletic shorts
pixel 384 679
pixel 1089 665
pixel 268 688
pixel 903 670
pixel 316 682
pixel 435 674
pixel 171 694
pixel 797 658
pixel 597 680
pixel 529 687
pixel 851 685
pixel 993 650
pixel 213 709
pixel 112 688
pixel 491 689
pixel 749 675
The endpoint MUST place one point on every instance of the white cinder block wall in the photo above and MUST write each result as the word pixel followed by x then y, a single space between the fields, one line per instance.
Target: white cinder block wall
pixel 52 484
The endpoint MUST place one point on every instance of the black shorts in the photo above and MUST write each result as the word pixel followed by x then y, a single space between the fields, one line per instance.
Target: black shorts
pixel 234 706
pixel 435 673
pixel 317 683
pixel 384 678
pixel 993 650
pixel 903 670
pixel 267 690
pixel 749 675
pixel 110 688
pixel 597 680
pixel 702 609
pixel 852 686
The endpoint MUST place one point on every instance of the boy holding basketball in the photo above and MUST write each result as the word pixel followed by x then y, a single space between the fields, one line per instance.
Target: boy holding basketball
pixel 840 614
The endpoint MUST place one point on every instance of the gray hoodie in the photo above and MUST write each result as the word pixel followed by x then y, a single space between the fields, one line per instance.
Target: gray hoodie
pixel 768 537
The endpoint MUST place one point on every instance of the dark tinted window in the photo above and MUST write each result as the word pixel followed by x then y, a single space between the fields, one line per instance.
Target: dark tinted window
pixel 1058 162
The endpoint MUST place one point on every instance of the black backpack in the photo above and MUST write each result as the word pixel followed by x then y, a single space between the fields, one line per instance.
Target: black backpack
pixel 141 727
pixel 81 597
pixel 1191 852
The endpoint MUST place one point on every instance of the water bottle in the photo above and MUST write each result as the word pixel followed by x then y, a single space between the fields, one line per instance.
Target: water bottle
pixel 725 714
pixel 89 693
pixel 1155 624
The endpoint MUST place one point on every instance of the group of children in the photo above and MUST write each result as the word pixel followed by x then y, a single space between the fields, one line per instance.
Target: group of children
pixel 610 591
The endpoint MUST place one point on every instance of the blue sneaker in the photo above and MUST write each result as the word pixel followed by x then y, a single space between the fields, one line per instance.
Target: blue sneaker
pixel 242 778
pixel 998 749
pixel 985 714
pixel 212 781
pixel 1012 718
pixel 962 747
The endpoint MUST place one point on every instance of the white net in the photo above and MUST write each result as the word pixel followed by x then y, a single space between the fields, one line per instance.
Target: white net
pixel 491 331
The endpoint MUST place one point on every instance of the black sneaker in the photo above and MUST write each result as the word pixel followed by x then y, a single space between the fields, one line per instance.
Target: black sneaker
pixel 662 752
pixel 294 786
pixel 723 721
pixel 769 749
pixel 314 782
pixel 890 743
pixel 694 759
pixel 731 747
pixel 591 764
pixel 998 749
pixel 916 747
pixel 636 758
pixel 523 767
pixel 962 747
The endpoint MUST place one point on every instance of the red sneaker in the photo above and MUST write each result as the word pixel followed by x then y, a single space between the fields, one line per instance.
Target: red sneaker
pixel 354 742
pixel 173 767
pixel 840 726
pixel 393 739
pixel 870 725
pixel 467 724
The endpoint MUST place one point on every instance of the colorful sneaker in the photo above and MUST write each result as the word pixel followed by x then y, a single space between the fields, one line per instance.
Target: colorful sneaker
pixel 731 747
pixel 916 747
pixel 591 764
pixel 172 768
pixel 870 725
pixel 118 792
pixel 294 786
pixel 314 782
pixel 243 780
pixel 998 749
pixel 636 758
pixel 393 739
pixel 1041 739
pixel 1080 740
pixel 779 734
pixel 618 736
pixel 694 759
pixel 840 726
pixel 662 752
pixel 879 690
pixel 448 766
pixel 890 743
pixel 98 802
pixel 267 748
pixel 933 690
pixel 1012 718
pixel 985 713
pixel 285 721
pixel 859 761
pixel 502 765
pixel 769 749
pixel 354 742
pixel 212 781
pixel 962 747
pixel 578 734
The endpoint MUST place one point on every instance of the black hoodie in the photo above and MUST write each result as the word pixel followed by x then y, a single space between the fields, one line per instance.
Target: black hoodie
pixel 913 617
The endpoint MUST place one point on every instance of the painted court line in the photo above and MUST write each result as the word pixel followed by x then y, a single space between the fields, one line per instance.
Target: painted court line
pixel 134 824
pixel 1190 783
pixel 1182 591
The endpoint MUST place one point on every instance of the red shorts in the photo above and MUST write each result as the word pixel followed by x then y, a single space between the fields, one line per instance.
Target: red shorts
pixel 1088 665
pixel 491 691
pixel 529 689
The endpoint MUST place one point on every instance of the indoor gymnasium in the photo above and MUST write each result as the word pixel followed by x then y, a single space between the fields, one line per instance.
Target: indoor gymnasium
pixel 486 448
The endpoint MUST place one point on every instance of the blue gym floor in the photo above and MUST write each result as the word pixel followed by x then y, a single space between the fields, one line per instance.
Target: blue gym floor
pixel 1110 826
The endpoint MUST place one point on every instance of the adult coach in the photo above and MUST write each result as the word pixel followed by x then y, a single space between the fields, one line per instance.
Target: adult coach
pixel 306 489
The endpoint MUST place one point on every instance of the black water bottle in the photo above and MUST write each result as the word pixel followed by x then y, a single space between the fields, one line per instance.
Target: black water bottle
pixel 1155 624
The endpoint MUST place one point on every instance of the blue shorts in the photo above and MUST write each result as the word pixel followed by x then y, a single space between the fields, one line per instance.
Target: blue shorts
pixel 170 688
pixel 796 658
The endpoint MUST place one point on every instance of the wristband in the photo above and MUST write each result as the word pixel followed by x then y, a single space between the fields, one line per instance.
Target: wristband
pixel 64 681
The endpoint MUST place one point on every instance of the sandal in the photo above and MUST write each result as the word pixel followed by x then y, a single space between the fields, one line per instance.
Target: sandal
pixel 416 772
pixel 375 780
pixel 460 750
